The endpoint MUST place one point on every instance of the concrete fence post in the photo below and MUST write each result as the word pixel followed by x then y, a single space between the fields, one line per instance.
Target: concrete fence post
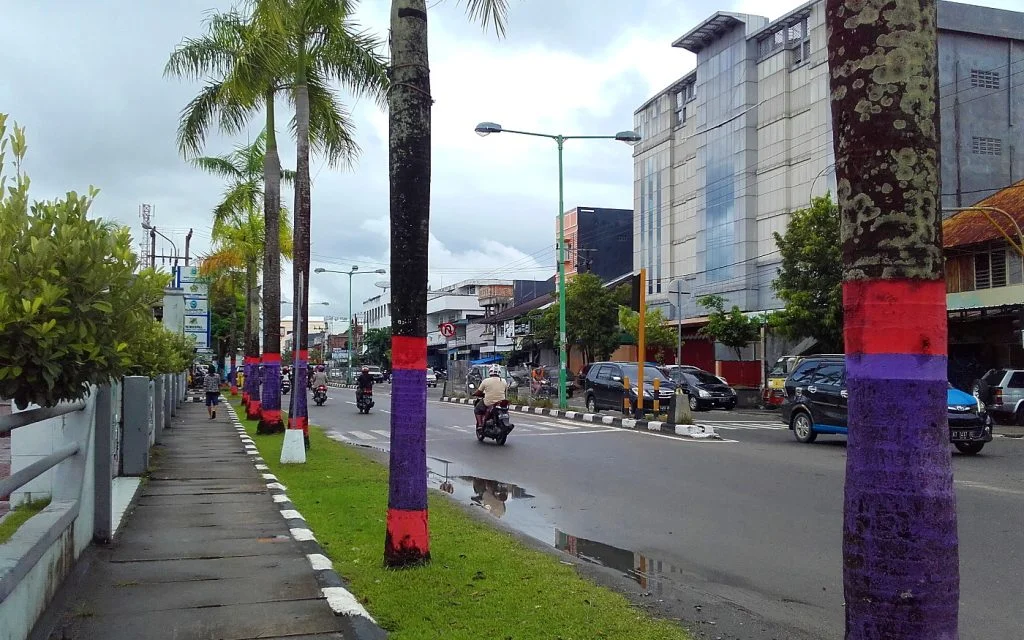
pixel 103 438
pixel 168 399
pixel 159 391
pixel 138 425
pixel 173 377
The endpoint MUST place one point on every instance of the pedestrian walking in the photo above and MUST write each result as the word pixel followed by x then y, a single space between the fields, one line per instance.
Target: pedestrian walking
pixel 211 383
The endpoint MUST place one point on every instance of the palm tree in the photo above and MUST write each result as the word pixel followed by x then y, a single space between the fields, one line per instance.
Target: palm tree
pixel 240 230
pixel 321 44
pixel 900 548
pixel 242 56
pixel 407 539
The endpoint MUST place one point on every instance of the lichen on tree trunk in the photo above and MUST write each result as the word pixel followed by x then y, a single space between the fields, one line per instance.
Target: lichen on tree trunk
pixel 900 548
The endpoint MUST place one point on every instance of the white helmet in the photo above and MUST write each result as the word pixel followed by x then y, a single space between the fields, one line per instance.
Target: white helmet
pixel 494 370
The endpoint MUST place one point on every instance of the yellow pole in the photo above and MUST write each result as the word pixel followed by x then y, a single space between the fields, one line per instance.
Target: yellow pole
pixel 625 396
pixel 656 406
pixel 641 344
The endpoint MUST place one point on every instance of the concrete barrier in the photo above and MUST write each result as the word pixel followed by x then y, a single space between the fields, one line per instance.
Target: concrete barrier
pixel 138 417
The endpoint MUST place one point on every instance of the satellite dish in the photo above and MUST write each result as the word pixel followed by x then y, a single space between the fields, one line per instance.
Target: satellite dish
pixel 382 284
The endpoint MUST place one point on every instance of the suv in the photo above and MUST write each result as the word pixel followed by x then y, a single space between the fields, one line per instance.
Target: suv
pixel 478 372
pixel 604 388
pixel 816 403
pixel 378 375
pixel 1002 391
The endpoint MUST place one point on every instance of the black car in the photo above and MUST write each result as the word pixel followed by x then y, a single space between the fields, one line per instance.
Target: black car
pixel 816 403
pixel 604 388
pixel 704 390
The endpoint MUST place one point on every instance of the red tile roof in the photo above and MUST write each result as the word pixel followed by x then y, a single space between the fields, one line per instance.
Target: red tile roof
pixel 973 227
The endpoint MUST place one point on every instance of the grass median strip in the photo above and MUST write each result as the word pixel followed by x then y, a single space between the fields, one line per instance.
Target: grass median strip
pixel 482 583
pixel 19 516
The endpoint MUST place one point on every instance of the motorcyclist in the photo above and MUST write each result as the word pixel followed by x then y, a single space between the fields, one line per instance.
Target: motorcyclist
pixel 492 390
pixel 365 380
pixel 319 377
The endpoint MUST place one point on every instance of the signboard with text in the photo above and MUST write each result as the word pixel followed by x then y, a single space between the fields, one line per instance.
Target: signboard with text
pixel 196 306
pixel 187 274
pixel 195 324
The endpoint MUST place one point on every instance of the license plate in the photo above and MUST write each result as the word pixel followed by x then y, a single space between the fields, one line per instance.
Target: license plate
pixel 962 435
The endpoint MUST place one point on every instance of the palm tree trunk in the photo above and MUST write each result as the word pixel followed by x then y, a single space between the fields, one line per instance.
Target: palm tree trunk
pixel 232 372
pixel 407 539
pixel 252 344
pixel 270 411
pixel 900 548
pixel 299 419
pixel 247 362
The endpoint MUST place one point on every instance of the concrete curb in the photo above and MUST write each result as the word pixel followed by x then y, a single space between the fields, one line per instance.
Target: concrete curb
pixel 692 431
pixel 334 589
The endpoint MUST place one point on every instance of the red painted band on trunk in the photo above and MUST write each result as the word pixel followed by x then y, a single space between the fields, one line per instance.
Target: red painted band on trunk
pixel 408 529
pixel 303 354
pixel 298 423
pixel 271 415
pixel 271 357
pixel 408 352
pixel 895 316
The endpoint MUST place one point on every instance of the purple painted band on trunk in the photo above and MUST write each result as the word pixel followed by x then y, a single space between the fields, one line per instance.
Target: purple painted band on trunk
pixel 896 366
pixel 900 546
pixel 408 485
pixel 270 393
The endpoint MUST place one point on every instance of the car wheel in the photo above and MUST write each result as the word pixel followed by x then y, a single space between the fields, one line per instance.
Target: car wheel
pixel 803 429
pixel 1018 417
pixel 969 448
pixel 694 403
pixel 591 404
pixel 730 406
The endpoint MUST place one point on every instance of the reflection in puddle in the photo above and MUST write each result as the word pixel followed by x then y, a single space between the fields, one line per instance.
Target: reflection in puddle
pixel 652 575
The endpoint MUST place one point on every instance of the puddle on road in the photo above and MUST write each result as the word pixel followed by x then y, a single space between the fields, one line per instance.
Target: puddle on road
pixel 526 512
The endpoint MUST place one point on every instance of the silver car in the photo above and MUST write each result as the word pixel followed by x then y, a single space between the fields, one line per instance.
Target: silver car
pixel 1002 391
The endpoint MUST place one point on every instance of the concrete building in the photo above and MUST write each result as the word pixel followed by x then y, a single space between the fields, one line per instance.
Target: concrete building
pixel 599 241
pixel 314 324
pixel 733 147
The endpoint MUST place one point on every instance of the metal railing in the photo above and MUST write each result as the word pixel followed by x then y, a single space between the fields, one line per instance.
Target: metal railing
pixel 17 480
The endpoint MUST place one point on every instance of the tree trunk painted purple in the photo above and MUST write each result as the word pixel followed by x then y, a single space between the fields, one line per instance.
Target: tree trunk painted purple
pixel 270 411
pixel 900 548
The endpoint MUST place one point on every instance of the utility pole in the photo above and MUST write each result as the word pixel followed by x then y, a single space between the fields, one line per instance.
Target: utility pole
pixel 900 547
pixel 152 248
pixel 188 241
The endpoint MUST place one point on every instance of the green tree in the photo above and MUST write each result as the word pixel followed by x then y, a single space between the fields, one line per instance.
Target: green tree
pixel 238 59
pixel 317 44
pixel 228 315
pixel 809 281
pixel 72 296
pixel 154 350
pixel 657 334
pixel 732 328
pixel 378 346
pixel 407 541
pixel 591 319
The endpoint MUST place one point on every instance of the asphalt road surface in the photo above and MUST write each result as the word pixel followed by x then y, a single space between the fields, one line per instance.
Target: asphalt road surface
pixel 740 538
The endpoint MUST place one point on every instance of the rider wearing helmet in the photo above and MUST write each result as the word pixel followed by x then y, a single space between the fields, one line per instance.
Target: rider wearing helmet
pixel 365 380
pixel 492 390
pixel 320 377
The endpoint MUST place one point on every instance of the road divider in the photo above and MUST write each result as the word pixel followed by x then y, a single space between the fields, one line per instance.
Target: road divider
pixel 693 431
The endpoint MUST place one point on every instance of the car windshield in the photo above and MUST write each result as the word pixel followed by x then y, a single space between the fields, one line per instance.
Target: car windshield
pixel 650 373
pixel 703 377
pixel 995 377
pixel 783 367
pixel 486 371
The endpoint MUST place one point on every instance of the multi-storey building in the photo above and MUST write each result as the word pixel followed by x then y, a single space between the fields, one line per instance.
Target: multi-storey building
pixel 733 147
pixel 599 241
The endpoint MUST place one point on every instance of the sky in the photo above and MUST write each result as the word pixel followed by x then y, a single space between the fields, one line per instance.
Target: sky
pixel 86 80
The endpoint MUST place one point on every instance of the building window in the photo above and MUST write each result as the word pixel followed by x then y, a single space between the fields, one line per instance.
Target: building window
pixel 771 43
pixel 799 39
pixel 984 79
pixel 987 146
pixel 990 269
pixel 680 100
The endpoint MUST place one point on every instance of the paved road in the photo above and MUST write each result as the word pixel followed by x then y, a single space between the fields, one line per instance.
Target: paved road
pixel 739 537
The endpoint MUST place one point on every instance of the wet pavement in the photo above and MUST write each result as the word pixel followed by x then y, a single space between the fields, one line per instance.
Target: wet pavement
pixel 739 538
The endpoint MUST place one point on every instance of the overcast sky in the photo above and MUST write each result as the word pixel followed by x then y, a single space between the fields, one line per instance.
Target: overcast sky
pixel 86 79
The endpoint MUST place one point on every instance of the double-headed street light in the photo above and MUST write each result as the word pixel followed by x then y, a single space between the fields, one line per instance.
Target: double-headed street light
pixel 630 138
pixel 354 271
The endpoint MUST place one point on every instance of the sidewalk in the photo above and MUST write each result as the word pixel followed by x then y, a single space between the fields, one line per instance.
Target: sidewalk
pixel 206 554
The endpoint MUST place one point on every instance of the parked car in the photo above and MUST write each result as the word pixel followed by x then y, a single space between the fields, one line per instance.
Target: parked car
pixel 816 403
pixel 1002 392
pixel 431 378
pixel 703 390
pixel 604 386
pixel 478 372
pixel 375 371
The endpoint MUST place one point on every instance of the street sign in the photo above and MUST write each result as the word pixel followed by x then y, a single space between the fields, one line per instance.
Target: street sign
pixel 187 274
pixel 197 289
pixel 196 306
pixel 447 329
pixel 196 324
pixel 202 338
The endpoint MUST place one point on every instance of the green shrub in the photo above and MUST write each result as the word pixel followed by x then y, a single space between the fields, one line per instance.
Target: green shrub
pixel 70 298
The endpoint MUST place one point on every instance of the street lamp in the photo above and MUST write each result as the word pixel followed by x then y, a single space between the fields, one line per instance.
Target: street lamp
pixel 152 229
pixel 629 137
pixel 1018 246
pixel 351 272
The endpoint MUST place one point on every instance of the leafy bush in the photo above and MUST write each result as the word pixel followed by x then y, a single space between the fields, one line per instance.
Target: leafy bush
pixel 70 300
pixel 155 350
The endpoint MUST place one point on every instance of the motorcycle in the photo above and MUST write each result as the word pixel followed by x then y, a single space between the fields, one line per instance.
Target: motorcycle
pixel 320 395
pixel 497 423
pixel 364 400
pixel 286 385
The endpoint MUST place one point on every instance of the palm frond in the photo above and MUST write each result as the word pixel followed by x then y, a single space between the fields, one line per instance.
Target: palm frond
pixel 285 236
pixel 220 166
pixel 494 12
pixel 223 259
pixel 213 104
pixel 353 58
pixel 330 125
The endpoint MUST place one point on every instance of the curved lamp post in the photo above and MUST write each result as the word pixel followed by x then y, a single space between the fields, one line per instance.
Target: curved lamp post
pixel 1018 246
pixel 629 137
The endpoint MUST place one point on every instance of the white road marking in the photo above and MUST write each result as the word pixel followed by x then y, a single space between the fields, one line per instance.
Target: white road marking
pixel 561 425
pixel 537 427
pixel 339 437
pixel 382 433
pixel 361 435
pixel 970 484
